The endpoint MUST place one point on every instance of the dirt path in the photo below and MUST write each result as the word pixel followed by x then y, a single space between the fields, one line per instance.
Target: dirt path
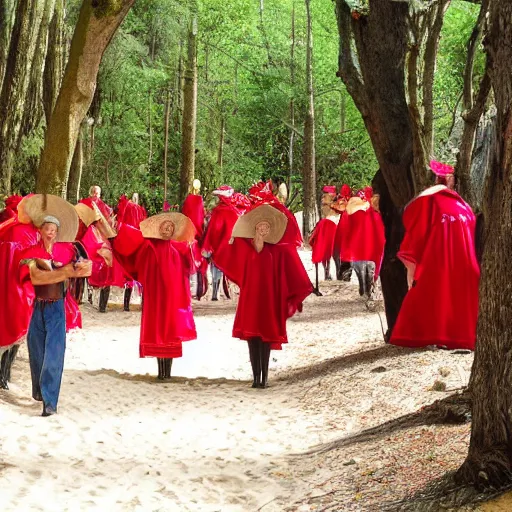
pixel 206 441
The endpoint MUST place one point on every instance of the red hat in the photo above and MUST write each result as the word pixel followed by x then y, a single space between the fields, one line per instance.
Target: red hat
pixel 12 202
pixel 329 189
pixel 262 192
pixel 368 193
pixel 240 202
pixel 440 169
pixel 346 191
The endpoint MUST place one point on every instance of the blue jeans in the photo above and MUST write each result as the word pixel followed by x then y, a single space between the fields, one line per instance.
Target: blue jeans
pixel 46 342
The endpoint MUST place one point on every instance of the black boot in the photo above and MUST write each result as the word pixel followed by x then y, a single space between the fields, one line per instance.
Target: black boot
pixel 167 368
pixel 104 294
pixel 254 355
pixel 161 371
pixel 327 271
pixel 127 296
pixel 265 358
pixel 89 293
pixel 3 370
pixel 345 271
pixel 215 289
pixel 10 360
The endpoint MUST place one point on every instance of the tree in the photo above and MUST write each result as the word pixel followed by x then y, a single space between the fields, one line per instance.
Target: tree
pixel 388 42
pixel 309 202
pixel 97 23
pixel 188 132
pixel 489 463
pixel 16 81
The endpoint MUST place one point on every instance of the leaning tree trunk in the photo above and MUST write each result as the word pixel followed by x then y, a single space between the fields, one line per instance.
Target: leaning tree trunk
pixel 6 18
pixel 16 82
pixel 188 132
pixel 96 26
pixel 489 461
pixel 309 202
pixel 54 65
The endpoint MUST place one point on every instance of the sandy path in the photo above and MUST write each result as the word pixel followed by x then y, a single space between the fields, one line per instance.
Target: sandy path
pixel 204 442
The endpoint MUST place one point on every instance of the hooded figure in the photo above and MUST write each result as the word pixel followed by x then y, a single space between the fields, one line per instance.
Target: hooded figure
pixel 272 280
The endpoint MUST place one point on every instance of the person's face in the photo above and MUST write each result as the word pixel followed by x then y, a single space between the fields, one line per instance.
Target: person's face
pixel 166 230
pixel 49 232
pixel 96 192
pixel 263 228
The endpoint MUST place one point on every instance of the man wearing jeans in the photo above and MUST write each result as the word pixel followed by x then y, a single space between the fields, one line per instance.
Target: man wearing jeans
pixel 49 265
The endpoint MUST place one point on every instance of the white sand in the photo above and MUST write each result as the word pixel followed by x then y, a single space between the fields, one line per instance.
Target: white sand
pixel 204 442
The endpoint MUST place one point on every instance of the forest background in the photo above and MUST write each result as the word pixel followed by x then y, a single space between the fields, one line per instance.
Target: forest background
pixel 252 99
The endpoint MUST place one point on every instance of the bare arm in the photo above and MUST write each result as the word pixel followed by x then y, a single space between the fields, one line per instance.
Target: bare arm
pixel 41 277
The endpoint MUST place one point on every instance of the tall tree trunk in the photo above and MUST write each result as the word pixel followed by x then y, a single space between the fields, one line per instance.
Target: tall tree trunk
pixel 75 171
pixel 473 109
pixel 54 65
pixel 188 132
pixel 291 148
pixel 489 461
pixel 33 105
pixel 95 28
pixel 166 138
pixel 7 8
pixel 309 201
pixel 373 51
pixel 16 82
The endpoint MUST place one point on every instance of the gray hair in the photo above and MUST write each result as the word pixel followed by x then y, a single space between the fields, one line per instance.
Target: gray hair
pixel 50 219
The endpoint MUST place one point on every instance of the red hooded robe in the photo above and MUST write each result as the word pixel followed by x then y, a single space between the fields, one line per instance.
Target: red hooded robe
pixel 442 306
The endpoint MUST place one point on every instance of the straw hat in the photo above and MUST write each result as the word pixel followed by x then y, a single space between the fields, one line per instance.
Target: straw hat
pixel 104 224
pixel 356 204
pixel 35 208
pixel 184 230
pixel 87 215
pixel 245 226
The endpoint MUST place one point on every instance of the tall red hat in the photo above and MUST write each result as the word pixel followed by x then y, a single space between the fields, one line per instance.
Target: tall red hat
pixel 224 191
pixel 329 189
pixel 346 192
pixel 440 169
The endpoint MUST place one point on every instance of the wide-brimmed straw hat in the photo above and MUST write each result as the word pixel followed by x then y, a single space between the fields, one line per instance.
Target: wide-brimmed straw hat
pixel 357 204
pixel 245 226
pixel 105 226
pixel 35 208
pixel 184 230
pixel 87 215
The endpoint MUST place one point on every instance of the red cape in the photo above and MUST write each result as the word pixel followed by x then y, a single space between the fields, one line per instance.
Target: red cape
pixel 130 213
pixel 362 237
pixel 16 305
pixel 62 253
pixel 273 284
pixel 163 268
pixel 442 307
pixel 103 207
pixel 218 232
pixel 322 240
pixel 193 208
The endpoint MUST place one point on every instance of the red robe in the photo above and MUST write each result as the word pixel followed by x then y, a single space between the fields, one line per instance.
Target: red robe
pixel 62 253
pixel 130 213
pixel 442 307
pixel 103 207
pixel 163 268
pixel 273 284
pixel 223 218
pixel 363 237
pixel 193 208
pixel 16 305
pixel 322 239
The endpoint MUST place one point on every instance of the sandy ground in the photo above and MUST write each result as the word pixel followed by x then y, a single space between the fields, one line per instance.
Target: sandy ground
pixel 206 441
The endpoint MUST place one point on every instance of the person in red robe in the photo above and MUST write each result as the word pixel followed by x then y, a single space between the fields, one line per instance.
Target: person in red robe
pixel 322 237
pixel 193 208
pixel 438 250
pixel 363 238
pixel 132 213
pixel 272 280
pixel 218 231
pixel 343 268
pixel 159 257
pixel 95 197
